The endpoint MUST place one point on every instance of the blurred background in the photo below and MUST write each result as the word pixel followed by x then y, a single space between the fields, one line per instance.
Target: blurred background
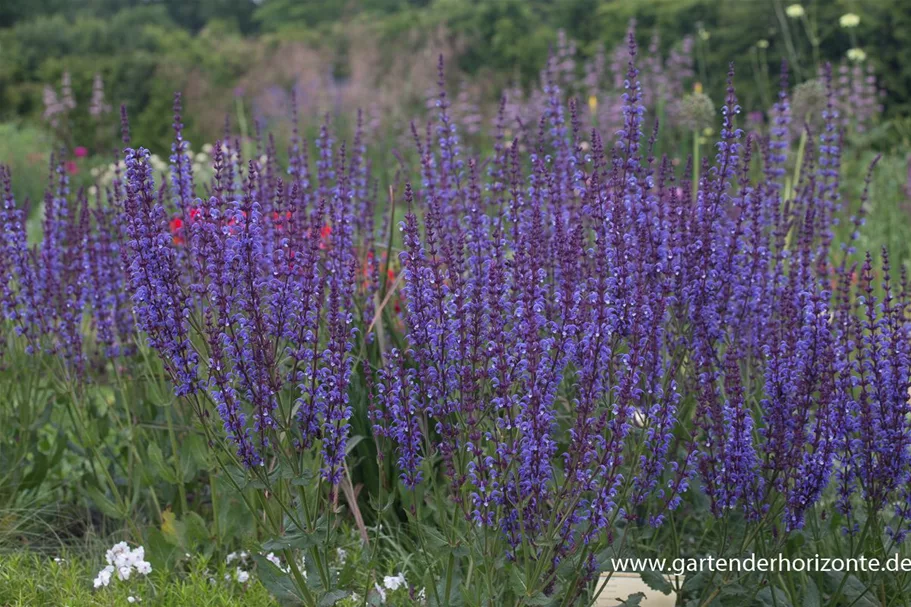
pixel 67 65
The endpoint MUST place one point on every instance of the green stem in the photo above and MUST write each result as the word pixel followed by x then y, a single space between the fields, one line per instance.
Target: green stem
pixel 213 491
pixel 299 578
pixel 450 567
pixel 178 474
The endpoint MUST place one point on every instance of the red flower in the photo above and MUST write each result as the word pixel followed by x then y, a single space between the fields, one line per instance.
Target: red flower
pixel 324 233
pixel 176 226
pixel 281 218
pixel 71 167
pixel 81 152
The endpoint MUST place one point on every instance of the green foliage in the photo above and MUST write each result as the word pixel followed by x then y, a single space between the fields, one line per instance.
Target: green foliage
pixel 505 36
pixel 117 456
pixel 27 579
pixel 145 51
pixel 26 150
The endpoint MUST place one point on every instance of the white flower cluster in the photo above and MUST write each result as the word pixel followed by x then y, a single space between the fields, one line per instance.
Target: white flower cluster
pixel 277 562
pixel 237 556
pixel 123 561
pixel 394 582
pixel 241 575
pixel 849 20
pixel 202 164
pixel 795 11
pixel 241 569
pixel 391 583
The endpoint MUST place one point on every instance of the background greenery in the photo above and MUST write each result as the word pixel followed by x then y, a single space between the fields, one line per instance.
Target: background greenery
pixel 235 58
pixel 145 50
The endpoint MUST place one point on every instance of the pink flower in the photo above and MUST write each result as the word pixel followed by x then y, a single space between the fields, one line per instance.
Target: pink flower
pixel 71 167
pixel 81 151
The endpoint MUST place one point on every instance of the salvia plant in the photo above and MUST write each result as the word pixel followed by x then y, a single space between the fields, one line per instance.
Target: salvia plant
pixel 569 346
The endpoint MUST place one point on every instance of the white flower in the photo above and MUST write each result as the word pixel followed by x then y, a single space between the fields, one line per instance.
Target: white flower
pixel 380 592
pixel 104 576
pixel 857 55
pixel 277 562
pixel 795 11
pixel 231 558
pixel 132 599
pixel 241 575
pixel 124 561
pixel 849 20
pixel 342 555
pixel 116 550
pixel 394 582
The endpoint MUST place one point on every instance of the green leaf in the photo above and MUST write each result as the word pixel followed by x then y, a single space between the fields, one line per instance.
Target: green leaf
pixel 42 464
pixel 434 540
pixel 656 581
pixel 632 600
pixel 196 535
pixel 160 552
pixel 294 538
pixel 157 465
pixel 811 596
pixel 352 443
pixel 192 457
pixel 856 593
pixel 773 596
pixel 375 599
pixel 278 583
pixel 332 597
pixel 238 475
pixel 107 507
pixel 735 594
pixel 517 581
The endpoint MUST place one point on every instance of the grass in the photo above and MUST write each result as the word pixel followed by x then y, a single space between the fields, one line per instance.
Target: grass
pixel 28 579
pixel 888 216
pixel 25 150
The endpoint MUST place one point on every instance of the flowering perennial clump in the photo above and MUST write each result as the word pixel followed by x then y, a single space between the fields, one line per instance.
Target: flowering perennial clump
pixel 123 561
pixel 259 263
pixel 587 338
pixel 587 335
